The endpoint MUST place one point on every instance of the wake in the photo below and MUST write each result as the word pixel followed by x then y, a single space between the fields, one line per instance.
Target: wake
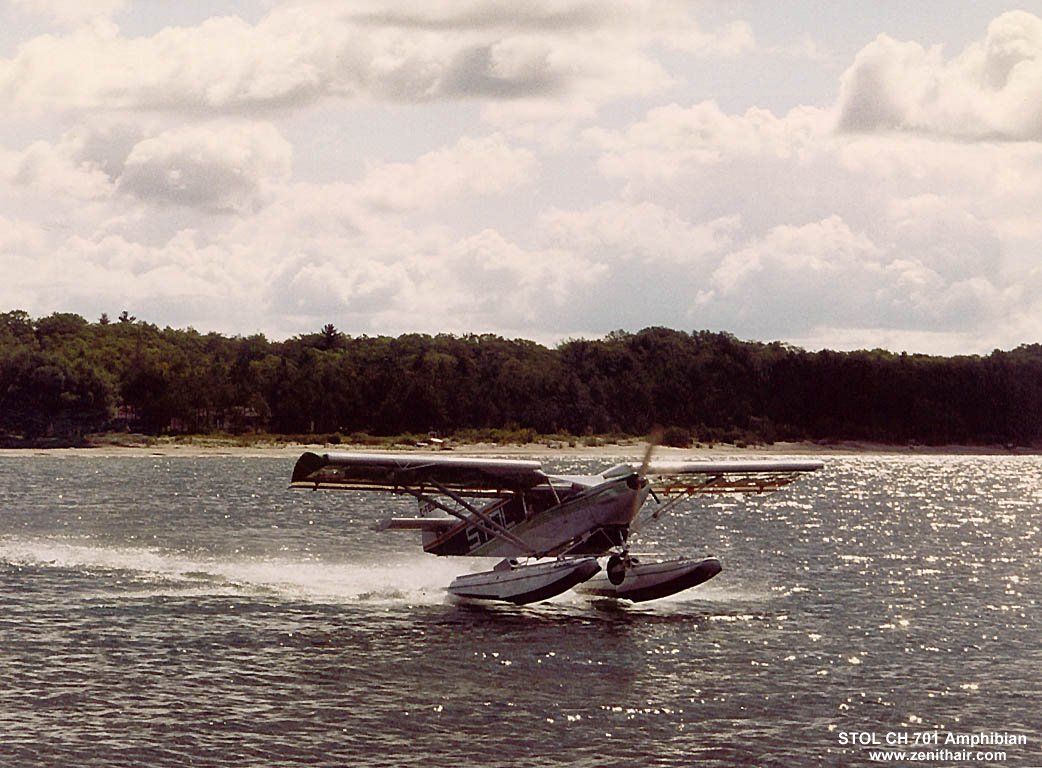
pixel 124 572
pixel 148 572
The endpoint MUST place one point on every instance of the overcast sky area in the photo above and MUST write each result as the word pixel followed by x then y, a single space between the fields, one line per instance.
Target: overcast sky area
pixel 844 174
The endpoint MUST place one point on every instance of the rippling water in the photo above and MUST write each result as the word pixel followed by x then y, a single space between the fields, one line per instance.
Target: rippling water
pixel 174 611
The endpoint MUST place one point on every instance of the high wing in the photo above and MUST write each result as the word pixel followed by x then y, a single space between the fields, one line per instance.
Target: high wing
pixel 680 480
pixel 409 473
pixel 688 478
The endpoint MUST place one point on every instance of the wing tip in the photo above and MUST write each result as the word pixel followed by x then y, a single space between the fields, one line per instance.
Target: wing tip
pixel 308 463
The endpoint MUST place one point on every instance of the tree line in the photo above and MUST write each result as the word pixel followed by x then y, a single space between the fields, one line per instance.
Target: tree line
pixel 64 377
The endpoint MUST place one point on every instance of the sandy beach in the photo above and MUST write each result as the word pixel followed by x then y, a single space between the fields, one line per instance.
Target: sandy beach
pixel 625 450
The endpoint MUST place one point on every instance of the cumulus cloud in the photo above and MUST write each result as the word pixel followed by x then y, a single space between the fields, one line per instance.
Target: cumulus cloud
pixel 992 90
pixel 19 237
pixel 413 52
pixel 223 62
pixel 54 170
pixel 946 237
pixel 547 122
pixel 314 253
pixel 103 144
pixel 484 166
pixel 666 22
pixel 527 282
pixel 536 16
pixel 641 230
pixel 83 164
pixel 999 183
pixel 918 236
pixel 221 167
pixel 824 273
pixel 895 228
pixel 672 138
pixel 389 277
pixel 181 280
pixel 309 289
pixel 22 243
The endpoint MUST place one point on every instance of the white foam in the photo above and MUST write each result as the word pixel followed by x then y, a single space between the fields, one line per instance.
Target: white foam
pixel 408 579
pixel 420 579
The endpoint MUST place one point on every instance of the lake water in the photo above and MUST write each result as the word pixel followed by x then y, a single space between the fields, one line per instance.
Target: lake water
pixel 194 611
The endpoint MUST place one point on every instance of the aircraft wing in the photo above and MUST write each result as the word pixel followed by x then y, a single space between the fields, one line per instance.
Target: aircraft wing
pixel 397 473
pixel 670 478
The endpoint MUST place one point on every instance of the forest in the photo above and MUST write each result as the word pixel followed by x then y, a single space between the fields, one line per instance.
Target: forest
pixel 63 378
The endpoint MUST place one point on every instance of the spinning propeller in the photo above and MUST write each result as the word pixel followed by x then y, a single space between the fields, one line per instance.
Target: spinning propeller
pixel 618 563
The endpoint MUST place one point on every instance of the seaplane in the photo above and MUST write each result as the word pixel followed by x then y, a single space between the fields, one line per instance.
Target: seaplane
pixel 551 532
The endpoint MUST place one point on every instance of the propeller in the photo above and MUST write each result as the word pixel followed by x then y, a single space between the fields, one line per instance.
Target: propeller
pixel 654 438
pixel 618 563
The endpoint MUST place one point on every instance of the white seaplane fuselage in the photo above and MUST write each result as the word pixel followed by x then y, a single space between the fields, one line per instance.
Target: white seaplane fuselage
pixel 578 518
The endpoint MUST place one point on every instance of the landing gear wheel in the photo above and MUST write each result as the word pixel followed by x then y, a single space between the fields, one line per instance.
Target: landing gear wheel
pixel 616 569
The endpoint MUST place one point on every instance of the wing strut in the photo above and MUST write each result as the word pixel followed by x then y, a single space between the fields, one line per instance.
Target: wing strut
pixel 550 482
pixel 484 522
pixel 662 509
pixel 491 531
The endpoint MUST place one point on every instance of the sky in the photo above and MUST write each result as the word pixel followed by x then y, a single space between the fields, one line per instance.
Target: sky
pixel 844 175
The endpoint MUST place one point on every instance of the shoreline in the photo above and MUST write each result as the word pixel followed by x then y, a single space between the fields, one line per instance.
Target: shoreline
pixel 625 450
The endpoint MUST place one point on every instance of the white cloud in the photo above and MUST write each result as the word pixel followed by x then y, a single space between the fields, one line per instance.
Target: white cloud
pixel 998 183
pixel 301 53
pixel 216 166
pixel 992 90
pixel 22 243
pixel 383 276
pixel 641 230
pixel 487 165
pixel 20 237
pixel 314 289
pixel 825 274
pixel 315 254
pixel 666 22
pixel 905 225
pixel 103 144
pixel 221 167
pixel 548 122
pixel 524 283
pixel 552 16
pixel 672 139
pixel 908 234
pixel 54 170
pixel 83 164
pixel 898 340
pixel 951 240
